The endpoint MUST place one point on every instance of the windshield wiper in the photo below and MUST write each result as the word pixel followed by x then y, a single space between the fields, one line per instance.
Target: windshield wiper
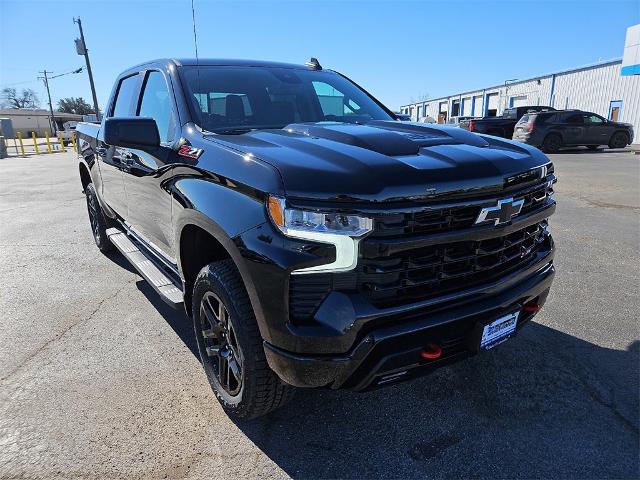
pixel 232 131
pixel 240 129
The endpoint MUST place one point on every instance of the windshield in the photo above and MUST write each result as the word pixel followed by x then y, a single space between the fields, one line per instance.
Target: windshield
pixel 228 99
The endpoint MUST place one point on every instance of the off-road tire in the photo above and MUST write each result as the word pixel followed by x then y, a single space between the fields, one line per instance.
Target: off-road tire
pixel 552 143
pixel 619 140
pixel 261 389
pixel 97 220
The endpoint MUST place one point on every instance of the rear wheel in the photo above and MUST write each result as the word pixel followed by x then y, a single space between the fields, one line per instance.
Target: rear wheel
pixel 97 220
pixel 619 140
pixel 552 143
pixel 230 344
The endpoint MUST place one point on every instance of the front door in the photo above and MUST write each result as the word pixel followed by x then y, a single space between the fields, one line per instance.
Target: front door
pixel 615 107
pixel 598 131
pixel 145 174
pixel 112 158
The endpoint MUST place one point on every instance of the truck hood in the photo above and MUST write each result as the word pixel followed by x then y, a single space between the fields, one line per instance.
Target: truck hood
pixel 384 160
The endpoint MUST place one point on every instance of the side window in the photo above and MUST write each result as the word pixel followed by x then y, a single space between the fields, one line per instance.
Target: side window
pixel 333 102
pixel 575 119
pixel 127 94
pixel 594 120
pixel 156 104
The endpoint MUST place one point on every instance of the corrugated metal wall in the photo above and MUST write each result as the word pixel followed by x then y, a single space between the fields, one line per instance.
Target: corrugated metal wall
pixel 591 89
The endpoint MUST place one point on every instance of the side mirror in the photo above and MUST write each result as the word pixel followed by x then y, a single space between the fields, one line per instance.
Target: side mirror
pixel 132 132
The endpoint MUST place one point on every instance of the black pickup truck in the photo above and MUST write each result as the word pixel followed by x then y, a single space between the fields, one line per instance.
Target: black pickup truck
pixel 501 126
pixel 313 239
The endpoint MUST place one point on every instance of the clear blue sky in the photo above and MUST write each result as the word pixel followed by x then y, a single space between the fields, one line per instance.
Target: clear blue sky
pixel 398 50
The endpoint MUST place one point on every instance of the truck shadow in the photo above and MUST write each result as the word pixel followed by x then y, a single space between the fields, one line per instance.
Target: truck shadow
pixel 544 404
pixel 176 319
pixel 585 150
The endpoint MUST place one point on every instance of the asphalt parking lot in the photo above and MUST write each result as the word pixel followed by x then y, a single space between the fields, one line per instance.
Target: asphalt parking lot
pixel 98 378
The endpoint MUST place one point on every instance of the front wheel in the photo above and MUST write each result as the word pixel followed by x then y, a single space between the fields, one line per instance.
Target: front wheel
pixel 230 344
pixel 619 140
pixel 97 220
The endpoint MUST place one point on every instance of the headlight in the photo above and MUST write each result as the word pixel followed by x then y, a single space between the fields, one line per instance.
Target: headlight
pixel 342 231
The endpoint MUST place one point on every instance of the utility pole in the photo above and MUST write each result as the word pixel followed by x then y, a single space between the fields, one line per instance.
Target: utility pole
pixel 81 48
pixel 52 123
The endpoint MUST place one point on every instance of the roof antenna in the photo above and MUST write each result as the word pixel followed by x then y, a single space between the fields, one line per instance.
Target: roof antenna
pixel 313 64
pixel 195 42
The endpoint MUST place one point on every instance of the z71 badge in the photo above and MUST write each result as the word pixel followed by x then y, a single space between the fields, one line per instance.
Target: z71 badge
pixel 191 152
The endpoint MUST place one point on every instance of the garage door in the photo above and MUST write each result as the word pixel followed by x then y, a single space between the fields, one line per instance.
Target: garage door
pixel 519 101
pixel 492 104
pixel 477 106
pixel 466 107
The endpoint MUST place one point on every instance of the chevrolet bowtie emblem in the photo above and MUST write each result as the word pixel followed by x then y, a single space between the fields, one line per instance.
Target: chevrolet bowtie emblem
pixel 502 212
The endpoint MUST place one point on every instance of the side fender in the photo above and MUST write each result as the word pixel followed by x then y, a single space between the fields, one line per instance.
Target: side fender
pixel 222 212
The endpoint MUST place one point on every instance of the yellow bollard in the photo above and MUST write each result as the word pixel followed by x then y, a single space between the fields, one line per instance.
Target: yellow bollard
pixel 35 143
pixel 21 144
pixel 46 137
pixel 61 140
pixel 73 141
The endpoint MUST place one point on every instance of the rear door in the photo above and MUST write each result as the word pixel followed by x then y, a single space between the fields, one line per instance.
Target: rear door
pixel 598 130
pixel 573 129
pixel 112 159
pixel 145 174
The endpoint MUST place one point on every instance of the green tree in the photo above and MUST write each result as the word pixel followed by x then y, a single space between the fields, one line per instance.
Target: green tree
pixel 77 105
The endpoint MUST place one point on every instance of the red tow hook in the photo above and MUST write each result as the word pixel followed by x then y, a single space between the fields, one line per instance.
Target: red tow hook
pixel 431 352
pixel 531 306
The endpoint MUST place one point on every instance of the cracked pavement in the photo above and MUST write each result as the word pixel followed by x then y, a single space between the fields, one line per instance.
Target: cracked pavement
pixel 98 377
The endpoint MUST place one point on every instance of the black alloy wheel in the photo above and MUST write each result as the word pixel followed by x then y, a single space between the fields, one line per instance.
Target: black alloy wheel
pixel 221 343
pixel 97 220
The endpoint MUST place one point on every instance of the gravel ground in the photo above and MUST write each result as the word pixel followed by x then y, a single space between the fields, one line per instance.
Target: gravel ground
pixel 98 378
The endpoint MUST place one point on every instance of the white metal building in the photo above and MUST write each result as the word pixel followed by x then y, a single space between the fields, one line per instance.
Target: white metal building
pixel 599 88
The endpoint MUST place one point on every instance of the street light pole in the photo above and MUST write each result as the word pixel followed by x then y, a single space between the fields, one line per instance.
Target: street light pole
pixel 81 48
pixel 52 123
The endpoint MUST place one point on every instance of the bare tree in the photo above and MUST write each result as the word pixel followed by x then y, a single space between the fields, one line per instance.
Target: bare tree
pixel 420 98
pixel 25 99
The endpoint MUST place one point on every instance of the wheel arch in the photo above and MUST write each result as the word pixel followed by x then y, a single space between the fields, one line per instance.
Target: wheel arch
pixel 85 176
pixel 200 241
pixel 621 130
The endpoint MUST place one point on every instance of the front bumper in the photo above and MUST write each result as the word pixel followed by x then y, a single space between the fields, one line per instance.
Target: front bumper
pixel 391 352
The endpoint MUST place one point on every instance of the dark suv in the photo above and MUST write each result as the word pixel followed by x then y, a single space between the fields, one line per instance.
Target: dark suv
pixel 553 130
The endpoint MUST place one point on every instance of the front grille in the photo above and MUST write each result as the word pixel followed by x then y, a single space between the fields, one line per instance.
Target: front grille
pixel 439 269
pixel 427 272
pixel 446 219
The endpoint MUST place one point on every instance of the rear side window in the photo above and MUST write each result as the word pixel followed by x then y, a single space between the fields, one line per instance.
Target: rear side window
pixel 156 103
pixel 574 119
pixel 126 97
pixel 525 118
pixel 547 118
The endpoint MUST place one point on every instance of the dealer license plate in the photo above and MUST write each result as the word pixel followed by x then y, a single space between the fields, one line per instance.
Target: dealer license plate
pixel 498 331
